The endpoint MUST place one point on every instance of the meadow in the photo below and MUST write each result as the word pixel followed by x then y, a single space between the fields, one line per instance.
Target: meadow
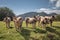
pixel 30 33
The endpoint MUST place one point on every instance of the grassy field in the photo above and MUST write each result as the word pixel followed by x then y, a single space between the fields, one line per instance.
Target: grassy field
pixel 39 33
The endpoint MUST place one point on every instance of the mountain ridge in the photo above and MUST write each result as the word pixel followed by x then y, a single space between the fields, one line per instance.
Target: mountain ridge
pixel 31 14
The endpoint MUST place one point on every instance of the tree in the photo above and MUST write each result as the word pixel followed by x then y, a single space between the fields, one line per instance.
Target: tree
pixel 4 11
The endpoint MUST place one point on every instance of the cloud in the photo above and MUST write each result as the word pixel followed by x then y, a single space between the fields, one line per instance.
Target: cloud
pixel 52 0
pixel 56 3
pixel 48 11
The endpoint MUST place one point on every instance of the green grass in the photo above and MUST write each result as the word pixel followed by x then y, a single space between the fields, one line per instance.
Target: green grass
pixel 39 33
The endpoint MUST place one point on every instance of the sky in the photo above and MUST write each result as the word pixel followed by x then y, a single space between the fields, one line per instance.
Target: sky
pixel 23 6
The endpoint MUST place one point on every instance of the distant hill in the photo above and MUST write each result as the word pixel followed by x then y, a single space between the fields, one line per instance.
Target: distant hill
pixel 52 14
pixel 31 14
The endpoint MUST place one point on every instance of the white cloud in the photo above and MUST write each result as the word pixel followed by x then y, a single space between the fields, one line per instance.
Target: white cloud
pixel 53 0
pixel 47 10
pixel 57 4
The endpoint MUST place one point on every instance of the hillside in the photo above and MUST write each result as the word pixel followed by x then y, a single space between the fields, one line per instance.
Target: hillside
pixel 52 14
pixel 31 14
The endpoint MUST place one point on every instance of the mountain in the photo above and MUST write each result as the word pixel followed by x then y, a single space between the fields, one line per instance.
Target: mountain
pixel 52 14
pixel 31 14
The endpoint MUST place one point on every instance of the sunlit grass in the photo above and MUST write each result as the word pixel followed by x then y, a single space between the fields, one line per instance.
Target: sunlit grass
pixel 29 33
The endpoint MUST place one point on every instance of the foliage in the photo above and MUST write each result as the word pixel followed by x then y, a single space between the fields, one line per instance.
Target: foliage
pixel 4 11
